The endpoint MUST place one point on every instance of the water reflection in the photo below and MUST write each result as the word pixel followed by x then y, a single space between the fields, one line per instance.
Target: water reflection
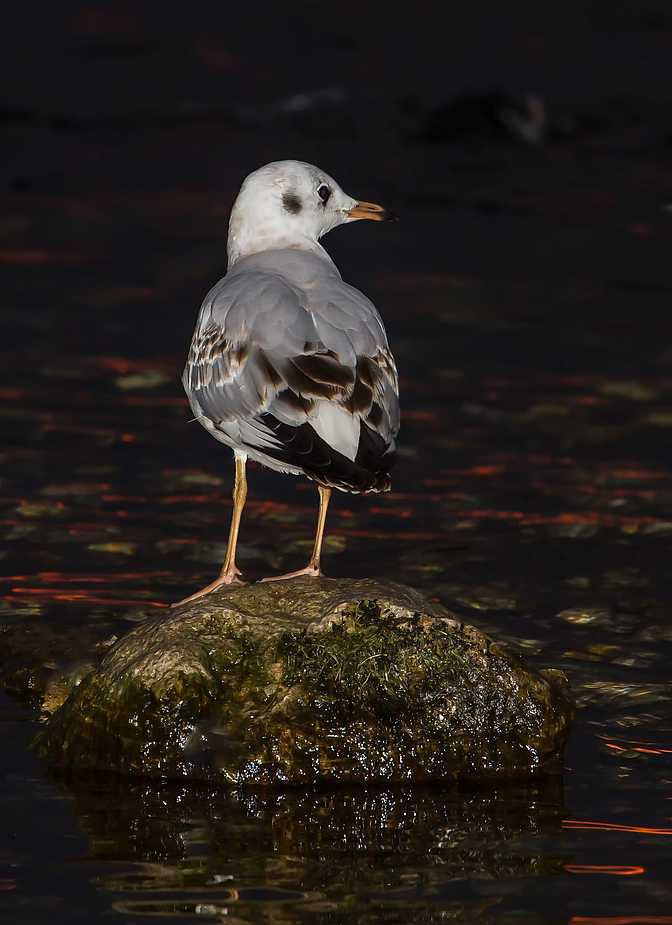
pixel 199 851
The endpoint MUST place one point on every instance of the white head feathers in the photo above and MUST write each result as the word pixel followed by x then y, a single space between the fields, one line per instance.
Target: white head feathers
pixel 290 204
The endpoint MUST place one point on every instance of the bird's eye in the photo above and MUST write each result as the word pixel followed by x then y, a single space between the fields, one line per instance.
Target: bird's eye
pixel 324 193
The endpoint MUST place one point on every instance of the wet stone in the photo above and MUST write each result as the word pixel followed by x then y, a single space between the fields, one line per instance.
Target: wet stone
pixel 311 680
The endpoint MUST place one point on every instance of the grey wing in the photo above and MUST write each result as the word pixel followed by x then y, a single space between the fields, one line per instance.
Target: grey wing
pixel 308 382
pixel 348 321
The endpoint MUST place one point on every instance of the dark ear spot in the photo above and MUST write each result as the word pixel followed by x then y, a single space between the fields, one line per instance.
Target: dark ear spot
pixel 291 203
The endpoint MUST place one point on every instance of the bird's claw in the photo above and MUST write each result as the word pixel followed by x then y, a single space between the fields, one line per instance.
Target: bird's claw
pixel 313 571
pixel 228 580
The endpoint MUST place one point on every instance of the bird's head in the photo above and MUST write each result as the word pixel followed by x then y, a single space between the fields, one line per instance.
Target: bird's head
pixel 291 204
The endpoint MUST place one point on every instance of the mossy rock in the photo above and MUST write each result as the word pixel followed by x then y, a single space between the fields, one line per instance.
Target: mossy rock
pixel 312 680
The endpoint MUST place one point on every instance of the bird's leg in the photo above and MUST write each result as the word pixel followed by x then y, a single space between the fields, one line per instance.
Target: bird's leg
pixel 313 568
pixel 230 572
pixel 314 564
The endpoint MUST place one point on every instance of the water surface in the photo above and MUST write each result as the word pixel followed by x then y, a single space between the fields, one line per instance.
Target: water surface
pixel 526 293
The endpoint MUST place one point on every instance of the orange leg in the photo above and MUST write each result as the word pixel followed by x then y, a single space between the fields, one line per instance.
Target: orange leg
pixel 230 572
pixel 313 568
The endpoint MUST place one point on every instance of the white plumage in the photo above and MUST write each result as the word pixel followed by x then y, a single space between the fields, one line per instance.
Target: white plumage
pixel 289 365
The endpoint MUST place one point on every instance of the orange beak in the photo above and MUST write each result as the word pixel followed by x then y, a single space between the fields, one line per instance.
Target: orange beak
pixel 372 211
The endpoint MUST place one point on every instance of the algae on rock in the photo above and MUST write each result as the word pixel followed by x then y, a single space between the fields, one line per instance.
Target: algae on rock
pixel 309 680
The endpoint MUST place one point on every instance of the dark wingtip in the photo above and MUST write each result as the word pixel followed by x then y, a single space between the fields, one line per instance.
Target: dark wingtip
pixel 305 449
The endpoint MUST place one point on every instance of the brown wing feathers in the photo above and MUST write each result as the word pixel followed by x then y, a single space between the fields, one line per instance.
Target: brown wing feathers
pixel 300 382
pixel 304 448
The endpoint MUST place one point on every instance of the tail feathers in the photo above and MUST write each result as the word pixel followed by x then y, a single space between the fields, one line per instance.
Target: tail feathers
pixel 304 449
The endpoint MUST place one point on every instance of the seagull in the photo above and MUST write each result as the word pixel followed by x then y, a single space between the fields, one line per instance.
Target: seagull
pixel 289 365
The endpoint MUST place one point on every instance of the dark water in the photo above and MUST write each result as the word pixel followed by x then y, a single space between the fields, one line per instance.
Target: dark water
pixel 527 296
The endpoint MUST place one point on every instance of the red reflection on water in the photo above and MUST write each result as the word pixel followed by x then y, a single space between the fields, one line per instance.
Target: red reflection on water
pixel 635 745
pixel 634 473
pixel 582 517
pixel 616 869
pixel 43 505
pixel 613 827
pixel 589 400
pixel 60 576
pixel 57 594
pixel 622 919
pixel 636 748
pixel 139 498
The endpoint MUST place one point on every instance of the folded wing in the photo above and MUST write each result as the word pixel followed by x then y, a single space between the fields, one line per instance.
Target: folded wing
pixel 302 377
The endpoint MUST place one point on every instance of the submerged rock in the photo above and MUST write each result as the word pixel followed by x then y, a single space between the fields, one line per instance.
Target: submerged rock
pixel 312 679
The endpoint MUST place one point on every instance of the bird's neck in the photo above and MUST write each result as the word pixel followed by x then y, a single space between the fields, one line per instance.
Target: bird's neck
pixel 251 237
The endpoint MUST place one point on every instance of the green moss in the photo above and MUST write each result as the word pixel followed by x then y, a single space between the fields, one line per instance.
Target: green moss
pixel 312 680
